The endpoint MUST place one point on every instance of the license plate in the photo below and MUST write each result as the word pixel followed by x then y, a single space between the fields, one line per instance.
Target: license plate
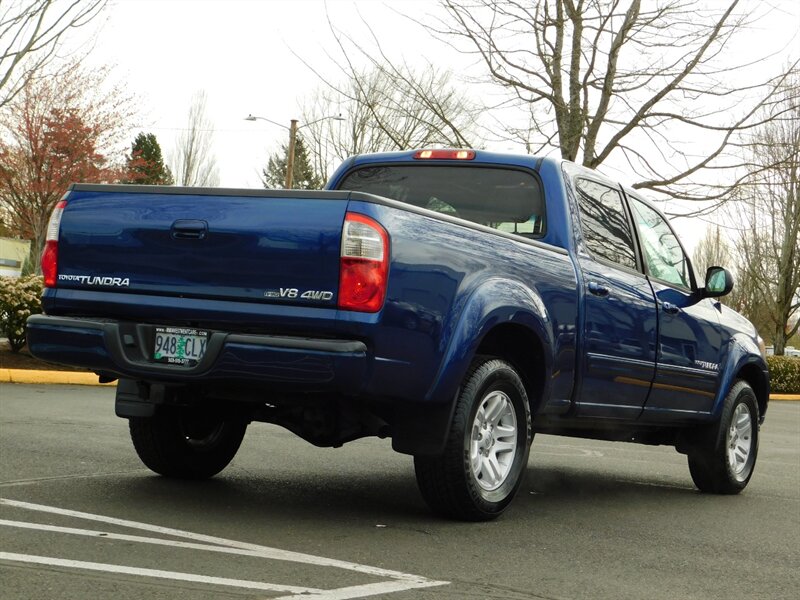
pixel 179 346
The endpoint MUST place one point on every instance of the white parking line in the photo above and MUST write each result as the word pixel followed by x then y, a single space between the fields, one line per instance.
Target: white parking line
pixel 363 591
pixel 130 538
pixel 158 574
pixel 582 452
pixel 262 551
pixel 400 581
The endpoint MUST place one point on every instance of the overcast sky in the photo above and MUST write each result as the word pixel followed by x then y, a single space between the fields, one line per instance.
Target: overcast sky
pixel 246 56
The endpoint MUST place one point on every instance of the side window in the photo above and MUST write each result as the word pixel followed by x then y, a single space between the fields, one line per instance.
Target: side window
pixel 604 222
pixel 664 255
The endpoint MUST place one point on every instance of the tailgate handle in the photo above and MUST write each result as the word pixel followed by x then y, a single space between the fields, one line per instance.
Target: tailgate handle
pixel 189 229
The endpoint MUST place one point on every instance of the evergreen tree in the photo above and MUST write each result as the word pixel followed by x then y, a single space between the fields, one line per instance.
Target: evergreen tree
pixel 303 175
pixel 145 164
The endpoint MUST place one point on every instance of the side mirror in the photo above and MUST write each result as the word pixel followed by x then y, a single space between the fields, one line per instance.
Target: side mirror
pixel 719 282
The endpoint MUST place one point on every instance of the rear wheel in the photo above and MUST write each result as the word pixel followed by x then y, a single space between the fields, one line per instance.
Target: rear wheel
pixel 486 452
pixel 187 444
pixel 724 460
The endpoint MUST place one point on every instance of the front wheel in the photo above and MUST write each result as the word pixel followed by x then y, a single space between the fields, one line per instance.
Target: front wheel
pixel 723 461
pixel 186 444
pixel 486 452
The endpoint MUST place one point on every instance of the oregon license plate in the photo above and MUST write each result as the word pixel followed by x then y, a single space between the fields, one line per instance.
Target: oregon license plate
pixel 179 345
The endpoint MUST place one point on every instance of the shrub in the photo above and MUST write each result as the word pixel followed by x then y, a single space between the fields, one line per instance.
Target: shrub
pixel 20 297
pixel 784 373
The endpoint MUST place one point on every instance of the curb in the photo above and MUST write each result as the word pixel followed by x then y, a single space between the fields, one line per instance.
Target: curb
pixel 790 397
pixel 59 377
pixel 79 378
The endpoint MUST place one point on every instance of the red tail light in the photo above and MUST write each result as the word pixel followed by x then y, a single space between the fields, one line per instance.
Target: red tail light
pixel 364 264
pixel 50 254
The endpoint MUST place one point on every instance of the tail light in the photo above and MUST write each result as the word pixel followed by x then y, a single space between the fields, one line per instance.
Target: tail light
pixel 364 264
pixel 50 254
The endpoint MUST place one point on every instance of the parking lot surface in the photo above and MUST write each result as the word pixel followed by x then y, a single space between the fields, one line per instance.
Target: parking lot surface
pixel 82 518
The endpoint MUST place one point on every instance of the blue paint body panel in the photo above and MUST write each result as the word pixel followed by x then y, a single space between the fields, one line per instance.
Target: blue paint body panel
pixel 221 261
pixel 249 245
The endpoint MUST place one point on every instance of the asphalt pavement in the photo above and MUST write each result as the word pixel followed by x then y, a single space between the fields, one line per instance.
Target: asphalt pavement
pixel 82 518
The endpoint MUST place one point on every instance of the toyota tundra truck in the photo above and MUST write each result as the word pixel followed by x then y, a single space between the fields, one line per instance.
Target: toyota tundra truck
pixel 455 301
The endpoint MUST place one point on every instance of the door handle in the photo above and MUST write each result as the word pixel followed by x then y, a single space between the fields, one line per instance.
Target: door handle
pixel 671 308
pixel 598 289
pixel 189 229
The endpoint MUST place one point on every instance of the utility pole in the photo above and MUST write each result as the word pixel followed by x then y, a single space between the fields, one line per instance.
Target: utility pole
pixel 292 140
pixel 290 158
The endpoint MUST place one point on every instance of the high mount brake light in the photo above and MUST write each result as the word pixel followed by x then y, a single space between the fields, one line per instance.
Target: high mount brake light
pixel 444 154
pixel 50 254
pixel 363 264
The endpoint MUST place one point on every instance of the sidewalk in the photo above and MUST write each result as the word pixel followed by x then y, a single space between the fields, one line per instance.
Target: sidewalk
pixel 77 378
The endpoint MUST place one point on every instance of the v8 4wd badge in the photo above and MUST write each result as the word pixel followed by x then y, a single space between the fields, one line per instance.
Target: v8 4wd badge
pixel 294 293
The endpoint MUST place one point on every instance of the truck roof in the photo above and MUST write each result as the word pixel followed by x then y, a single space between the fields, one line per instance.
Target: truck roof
pixel 481 156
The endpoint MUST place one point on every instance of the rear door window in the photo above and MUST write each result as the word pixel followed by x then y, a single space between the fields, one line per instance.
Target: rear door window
pixel 508 200
pixel 604 222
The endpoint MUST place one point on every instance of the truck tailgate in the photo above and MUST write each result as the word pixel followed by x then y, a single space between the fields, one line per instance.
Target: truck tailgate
pixel 265 246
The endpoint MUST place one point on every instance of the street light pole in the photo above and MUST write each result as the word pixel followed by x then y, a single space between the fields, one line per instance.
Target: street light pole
pixel 290 158
pixel 292 140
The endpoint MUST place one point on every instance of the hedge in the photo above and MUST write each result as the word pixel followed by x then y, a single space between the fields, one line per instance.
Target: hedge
pixel 20 297
pixel 784 373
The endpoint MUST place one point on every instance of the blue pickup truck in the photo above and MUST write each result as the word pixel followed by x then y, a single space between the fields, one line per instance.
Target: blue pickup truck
pixel 456 301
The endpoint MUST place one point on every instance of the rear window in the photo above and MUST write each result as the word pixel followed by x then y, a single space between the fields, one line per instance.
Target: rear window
pixel 504 199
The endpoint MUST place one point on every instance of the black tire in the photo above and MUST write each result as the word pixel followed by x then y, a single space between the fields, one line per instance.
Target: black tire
pixel 724 458
pixel 449 482
pixel 186 444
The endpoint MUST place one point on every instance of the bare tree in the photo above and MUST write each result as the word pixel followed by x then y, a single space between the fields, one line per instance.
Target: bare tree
pixel 30 34
pixel 769 247
pixel 712 251
pixel 387 104
pixel 386 108
pixel 194 163
pixel 599 77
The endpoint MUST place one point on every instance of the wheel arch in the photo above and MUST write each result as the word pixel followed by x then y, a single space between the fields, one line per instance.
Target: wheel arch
pixel 743 361
pixel 499 311
pixel 502 318
pixel 523 349
pixel 759 381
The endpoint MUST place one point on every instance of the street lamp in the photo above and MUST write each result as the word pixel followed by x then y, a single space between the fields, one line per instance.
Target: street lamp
pixel 293 127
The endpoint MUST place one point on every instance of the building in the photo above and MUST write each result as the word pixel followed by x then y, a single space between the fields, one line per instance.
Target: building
pixel 12 255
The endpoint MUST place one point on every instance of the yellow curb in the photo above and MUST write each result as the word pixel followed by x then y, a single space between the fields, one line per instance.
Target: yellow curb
pixel 794 397
pixel 62 377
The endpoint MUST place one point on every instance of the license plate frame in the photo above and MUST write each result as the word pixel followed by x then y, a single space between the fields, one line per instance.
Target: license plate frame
pixel 182 346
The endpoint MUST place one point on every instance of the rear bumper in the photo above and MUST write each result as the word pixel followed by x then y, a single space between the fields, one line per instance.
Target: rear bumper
pixel 121 349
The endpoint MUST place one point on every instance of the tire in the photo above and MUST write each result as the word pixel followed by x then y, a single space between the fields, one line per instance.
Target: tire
pixel 486 452
pixel 723 460
pixel 186 444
